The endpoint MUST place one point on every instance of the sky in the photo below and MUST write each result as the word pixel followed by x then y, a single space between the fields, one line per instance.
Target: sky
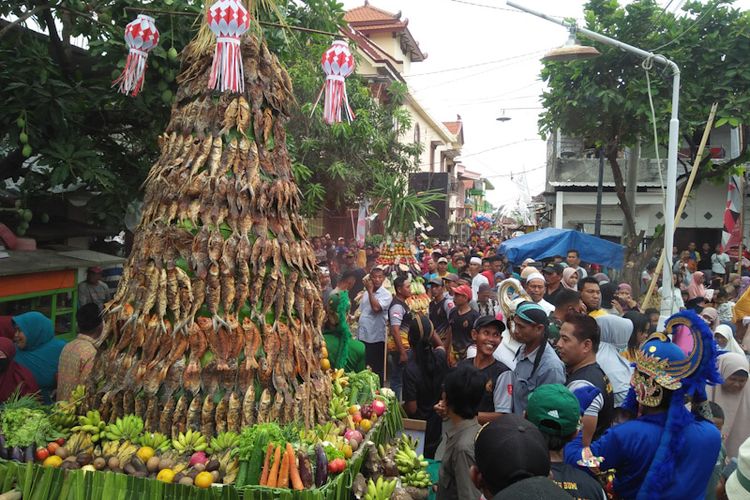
pixel 503 48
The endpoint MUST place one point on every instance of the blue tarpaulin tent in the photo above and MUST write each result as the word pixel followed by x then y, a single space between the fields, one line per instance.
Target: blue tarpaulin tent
pixel 550 242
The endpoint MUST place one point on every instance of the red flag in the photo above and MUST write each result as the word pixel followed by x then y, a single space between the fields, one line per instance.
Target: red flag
pixel 731 235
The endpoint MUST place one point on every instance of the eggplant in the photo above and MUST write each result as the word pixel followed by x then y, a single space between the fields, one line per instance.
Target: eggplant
pixel 17 454
pixel 305 471
pixel 321 466
pixel 3 449
pixel 28 455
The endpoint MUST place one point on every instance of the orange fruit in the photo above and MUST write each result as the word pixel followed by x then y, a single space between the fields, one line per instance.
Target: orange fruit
pixel 52 461
pixel 165 476
pixel 204 480
pixel 365 425
pixel 325 364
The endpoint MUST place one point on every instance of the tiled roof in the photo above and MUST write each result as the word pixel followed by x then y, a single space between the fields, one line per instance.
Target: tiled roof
pixel 368 13
pixel 453 127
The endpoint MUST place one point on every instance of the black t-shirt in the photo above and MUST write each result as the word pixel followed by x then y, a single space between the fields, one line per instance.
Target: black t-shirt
pixel 552 296
pixel 705 262
pixel 491 372
pixel 576 483
pixel 415 386
pixel 461 326
pixel 438 316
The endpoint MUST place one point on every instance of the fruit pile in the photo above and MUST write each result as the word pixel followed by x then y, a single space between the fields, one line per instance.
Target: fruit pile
pixel 394 253
pixel 419 301
pixel 413 468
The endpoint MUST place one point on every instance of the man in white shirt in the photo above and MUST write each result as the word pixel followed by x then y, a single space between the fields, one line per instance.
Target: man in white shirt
pixel 373 312
pixel 475 268
pixel 536 286
pixel 719 262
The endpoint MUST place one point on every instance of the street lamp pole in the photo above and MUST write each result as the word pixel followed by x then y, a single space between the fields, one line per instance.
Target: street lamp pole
pixel 674 126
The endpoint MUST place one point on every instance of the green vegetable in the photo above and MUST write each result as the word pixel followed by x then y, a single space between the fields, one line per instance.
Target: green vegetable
pixel 333 453
pixel 249 438
pixel 253 468
pixel 363 386
pixel 24 426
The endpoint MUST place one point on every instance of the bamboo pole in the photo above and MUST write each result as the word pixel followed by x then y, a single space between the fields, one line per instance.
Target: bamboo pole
pixel 683 202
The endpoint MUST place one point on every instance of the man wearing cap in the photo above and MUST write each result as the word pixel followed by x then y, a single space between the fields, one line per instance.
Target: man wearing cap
pixel 536 362
pixel 553 275
pixel 666 452
pixel 450 281
pixel 577 347
pixel 555 411
pixel 373 313
pixel 477 278
pixel 460 321
pixel 441 304
pixel 487 270
pixel 535 287
pixel 77 357
pixel 442 267
pixel 93 290
pixel 486 335
pixel 512 462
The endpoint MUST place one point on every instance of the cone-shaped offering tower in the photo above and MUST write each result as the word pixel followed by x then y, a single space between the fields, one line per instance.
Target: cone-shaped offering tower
pixel 216 323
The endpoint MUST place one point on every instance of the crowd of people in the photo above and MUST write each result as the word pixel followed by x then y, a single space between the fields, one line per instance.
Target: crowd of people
pixel 565 367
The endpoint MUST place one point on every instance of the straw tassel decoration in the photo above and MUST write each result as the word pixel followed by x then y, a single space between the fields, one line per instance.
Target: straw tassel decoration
pixel 141 36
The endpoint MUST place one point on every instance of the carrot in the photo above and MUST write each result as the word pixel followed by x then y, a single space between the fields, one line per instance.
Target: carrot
pixel 293 470
pixel 273 476
pixel 283 481
pixel 266 463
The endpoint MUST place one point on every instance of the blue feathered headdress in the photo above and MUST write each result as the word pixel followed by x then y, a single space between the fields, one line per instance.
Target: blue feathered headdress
pixel 685 374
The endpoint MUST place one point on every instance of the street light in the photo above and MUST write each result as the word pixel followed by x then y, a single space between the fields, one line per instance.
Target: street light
pixel 674 125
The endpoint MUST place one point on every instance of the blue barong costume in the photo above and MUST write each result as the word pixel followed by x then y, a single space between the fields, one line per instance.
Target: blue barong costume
pixel 667 455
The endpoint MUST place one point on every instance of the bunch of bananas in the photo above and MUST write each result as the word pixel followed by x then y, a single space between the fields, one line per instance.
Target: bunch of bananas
pixel 124 451
pixel 418 479
pixel 155 440
pixel 92 424
pixel 79 442
pixel 338 408
pixel 229 466
pixel 63 416
pixel 340 382
pixel 380 490
pixel 224 441
pixel 128 428
pixel 189 442
pixel 406 458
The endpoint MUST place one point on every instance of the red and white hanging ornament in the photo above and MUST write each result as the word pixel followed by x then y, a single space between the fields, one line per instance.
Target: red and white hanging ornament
pixel 141 36
pixel 229 20
pixel 338 63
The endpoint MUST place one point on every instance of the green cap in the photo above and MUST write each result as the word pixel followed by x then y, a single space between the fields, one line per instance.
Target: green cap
pixel 554 410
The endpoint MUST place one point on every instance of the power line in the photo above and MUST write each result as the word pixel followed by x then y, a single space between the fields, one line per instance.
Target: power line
pixel 692 25
pixel 522 172
pixel 457 68
pixel 496 7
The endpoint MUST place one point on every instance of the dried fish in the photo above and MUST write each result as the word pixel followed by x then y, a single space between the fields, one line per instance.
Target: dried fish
pixel 207 416
pixel 264 407
pixel 230 116
pixel 234 413
pixel 179 418
pixel 194 414
pixel 166 417
pixel 214 157
pixel 222 410
pixel 151 422
pixel 128 402
pixel 198 345
pixel 248 406
pixel 276 409
pixel 243 114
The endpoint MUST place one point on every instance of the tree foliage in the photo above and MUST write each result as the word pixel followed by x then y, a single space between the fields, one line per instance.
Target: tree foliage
pixel 605 100
pixel 63 126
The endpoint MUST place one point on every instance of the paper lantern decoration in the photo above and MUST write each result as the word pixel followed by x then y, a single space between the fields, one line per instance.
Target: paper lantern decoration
pixel 229 20
pixel 141 36
pixel 338 63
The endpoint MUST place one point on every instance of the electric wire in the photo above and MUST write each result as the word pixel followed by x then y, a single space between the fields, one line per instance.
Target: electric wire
pixel 692 25
pixel 468 66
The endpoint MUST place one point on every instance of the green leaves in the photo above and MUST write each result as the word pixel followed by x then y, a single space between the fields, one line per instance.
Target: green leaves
pixel 404 208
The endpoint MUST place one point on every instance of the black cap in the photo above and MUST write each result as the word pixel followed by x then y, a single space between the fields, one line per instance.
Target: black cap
pixel 530 456
pixel 552 268
pixel 435 281
pixel 488 320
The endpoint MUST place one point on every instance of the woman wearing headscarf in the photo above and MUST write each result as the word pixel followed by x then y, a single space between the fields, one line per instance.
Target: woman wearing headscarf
pixel 343 350
pixel 733 396
pixel 38 350
pixel 696 288
pixel 725 338
pixel 570 278
pixel 710 316
pixel 7 328
pixel 423 381
pixel 624 297
pixel 13 377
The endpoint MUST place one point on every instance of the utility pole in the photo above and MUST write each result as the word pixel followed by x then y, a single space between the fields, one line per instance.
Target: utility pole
pixel 631 187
